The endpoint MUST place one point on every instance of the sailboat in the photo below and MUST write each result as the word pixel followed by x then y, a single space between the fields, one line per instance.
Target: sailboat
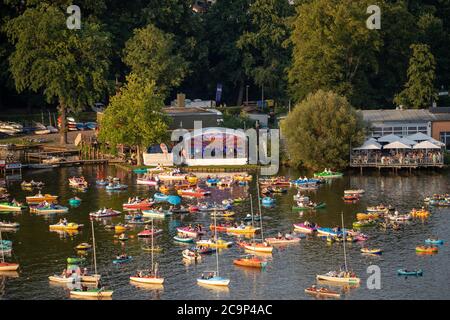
pixel 262 246
pixel 99 291
pixel 152 277
pixel 214 279
pixel 6 266
pixel 341 276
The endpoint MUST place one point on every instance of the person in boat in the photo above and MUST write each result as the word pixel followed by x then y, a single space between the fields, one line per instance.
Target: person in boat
pixel 280 236
pixel 85 272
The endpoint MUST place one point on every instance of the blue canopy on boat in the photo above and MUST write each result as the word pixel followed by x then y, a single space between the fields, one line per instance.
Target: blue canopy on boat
pixel 175 200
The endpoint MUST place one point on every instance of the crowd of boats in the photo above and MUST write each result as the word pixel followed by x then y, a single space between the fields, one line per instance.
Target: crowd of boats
pixel 172 188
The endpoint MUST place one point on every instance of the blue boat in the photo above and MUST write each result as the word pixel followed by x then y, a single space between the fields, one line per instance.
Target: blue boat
pixel 74 202
pixel 309 181
pixel 116 187
pixel 160 197
pixel 91 125
pixel 184 240
pixel 268 201
pixel 212 182
pixel 404 272
pixel 102 182
pixel 330 232
pixel 122 260
pixel 434 241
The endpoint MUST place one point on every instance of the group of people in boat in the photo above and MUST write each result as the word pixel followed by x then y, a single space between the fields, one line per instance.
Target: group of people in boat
pixel 209 275
pixel 309 224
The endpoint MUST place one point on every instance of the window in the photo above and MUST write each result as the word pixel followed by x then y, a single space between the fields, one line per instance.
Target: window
pixel 445 138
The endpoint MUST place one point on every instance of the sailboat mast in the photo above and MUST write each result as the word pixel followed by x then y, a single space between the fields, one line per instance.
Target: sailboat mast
pixel 217 249
pixel 251 209
pixel 260 213
pixel 344 240
pixel 93 244
pixel 153 230
pixel 1 245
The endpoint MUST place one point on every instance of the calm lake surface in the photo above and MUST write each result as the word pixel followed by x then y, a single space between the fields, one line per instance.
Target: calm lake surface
pixel 291 269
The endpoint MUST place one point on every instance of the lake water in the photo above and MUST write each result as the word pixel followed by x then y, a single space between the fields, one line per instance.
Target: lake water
pixel 291 269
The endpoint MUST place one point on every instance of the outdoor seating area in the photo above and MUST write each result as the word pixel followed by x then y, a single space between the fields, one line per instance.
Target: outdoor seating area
pixel 391 151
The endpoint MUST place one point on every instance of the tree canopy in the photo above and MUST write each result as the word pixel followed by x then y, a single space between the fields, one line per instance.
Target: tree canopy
pixel 152 56
pixel 134 116
pixel 67 66
pixel 321 130
pixel 419 91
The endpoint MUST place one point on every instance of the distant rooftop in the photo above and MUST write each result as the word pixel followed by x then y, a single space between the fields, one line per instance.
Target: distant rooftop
pixel 409 115
pixel 175 111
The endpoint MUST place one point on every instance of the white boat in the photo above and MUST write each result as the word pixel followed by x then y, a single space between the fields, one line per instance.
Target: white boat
pixel 355 191
pixel 97 292
pixel 215 279
pixel 342 276
pixel 9 225
pixel 63 279
pixel 156 214
pixel 152 276
pixel 6 266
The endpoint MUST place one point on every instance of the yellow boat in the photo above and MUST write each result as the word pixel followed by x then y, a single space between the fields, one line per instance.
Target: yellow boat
pixel 192 179
pixel 420 213
pixel 120 228
pixel 243 177
pixel 219 244
pixel 164 189
pixel 71 226
pixel 244 230
pixel 41 198
pixel 348 280
pixel 367 216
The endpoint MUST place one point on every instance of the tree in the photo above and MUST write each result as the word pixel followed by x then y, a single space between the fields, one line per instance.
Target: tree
pixel 333 49
pixel 151 55
pixel 266 53
pixel 134 116
pixel 419 90
pixel 321 130
pixel 69 66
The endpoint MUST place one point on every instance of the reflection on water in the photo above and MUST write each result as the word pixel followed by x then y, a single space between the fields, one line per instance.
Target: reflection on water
pixel 290 270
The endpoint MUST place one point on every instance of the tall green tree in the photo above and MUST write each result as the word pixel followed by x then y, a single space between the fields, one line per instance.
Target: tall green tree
pixel 333 49
pixel 134 116
pixel 321 130
pixel 265 49
pixel 419 91
pixel 152 56
pixel 67 66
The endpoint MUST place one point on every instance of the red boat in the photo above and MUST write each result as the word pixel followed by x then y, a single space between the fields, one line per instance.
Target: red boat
pixel 221 227
pixel 198 193
pixel 148 233
pixel 139 204
pixel 350 197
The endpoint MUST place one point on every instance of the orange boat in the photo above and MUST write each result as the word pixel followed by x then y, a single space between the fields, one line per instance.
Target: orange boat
pixel 140 204
pixel 426 249
pixel 220 227
pixel 250 261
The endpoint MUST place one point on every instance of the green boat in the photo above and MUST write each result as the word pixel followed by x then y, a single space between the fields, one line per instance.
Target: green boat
pixel 318 206
pixel 140 170
pixel 10 206
pixel 75 260
pixel 364 223
pixel 324 174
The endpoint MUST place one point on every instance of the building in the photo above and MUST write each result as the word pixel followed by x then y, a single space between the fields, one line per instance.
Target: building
pixel 184 117
pixel 434 122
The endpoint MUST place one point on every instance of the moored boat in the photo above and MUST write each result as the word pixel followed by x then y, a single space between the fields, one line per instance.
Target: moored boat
pixel 322 292
pixel 405 272
pixel 250 261
pixel 105 213
pixel 38 198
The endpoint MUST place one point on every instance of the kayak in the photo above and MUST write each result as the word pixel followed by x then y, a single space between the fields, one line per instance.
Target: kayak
pixel 404 272
pixel 434 241
pixel 183 239
pixel 323 292
pixel 427 249
pixel 371 251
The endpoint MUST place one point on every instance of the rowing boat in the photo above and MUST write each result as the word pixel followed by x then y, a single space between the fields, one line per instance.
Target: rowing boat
pixel 282 240
pixel 371 251
pixel 404 272
pixel 97 293
pixel 250 261
pixel 322 292
pixel 426 249
pixel 38 198
pixel 66 226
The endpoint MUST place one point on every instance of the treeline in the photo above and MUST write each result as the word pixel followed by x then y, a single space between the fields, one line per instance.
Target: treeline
pixel 286 49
